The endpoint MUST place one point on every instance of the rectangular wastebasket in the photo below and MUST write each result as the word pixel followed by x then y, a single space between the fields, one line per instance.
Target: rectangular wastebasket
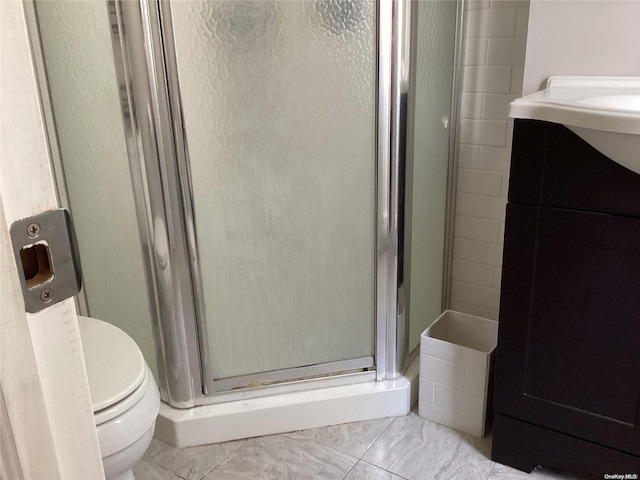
pixel 456 371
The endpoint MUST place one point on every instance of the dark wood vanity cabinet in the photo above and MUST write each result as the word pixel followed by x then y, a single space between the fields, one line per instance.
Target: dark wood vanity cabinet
pixel 567 385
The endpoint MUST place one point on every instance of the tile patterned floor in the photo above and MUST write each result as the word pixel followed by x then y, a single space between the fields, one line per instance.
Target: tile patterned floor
pixel 401 448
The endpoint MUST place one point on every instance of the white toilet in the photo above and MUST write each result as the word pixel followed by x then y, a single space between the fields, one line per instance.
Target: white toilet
pixel 124 394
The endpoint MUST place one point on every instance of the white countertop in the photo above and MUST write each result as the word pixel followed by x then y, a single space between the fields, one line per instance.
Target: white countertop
pixel 609 104
pixel 602 110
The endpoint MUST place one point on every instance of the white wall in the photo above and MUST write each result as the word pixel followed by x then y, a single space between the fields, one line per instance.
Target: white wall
pixel 562 37
pixel 494 46
pixel 581 37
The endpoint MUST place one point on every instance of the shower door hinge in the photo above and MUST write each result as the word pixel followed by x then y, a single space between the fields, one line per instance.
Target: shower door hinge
pixel 47 258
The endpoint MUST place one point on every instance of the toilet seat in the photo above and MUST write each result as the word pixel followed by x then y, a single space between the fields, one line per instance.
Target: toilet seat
pixel 117 409
pixel 123 425
pixel 115 367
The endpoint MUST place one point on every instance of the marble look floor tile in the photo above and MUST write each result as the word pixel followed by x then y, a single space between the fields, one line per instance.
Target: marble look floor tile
pixel 422 450
pixel 290 456
pixel 351 438
pixel 144 470
pixel 365 471
pixel 155 447
pixel 191 463
pixel 502 472
pixel 483 445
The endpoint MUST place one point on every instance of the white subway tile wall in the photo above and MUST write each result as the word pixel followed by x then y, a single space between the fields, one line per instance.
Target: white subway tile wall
pixel 494 48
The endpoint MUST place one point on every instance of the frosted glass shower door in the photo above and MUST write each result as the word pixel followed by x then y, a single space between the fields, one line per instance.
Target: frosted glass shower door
pixel 279 111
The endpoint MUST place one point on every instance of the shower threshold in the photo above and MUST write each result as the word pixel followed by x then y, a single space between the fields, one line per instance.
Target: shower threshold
pixel 287 409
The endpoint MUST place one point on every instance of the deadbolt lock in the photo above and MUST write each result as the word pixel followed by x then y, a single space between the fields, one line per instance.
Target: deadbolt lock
pixel 46 253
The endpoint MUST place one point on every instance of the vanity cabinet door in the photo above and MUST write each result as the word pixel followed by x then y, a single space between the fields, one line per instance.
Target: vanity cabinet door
pixel 554 167
pixel 569 343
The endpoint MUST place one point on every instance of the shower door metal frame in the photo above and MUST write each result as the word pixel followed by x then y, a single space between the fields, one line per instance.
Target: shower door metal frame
pixel 393 235
pixel 158 158
pixel 159 162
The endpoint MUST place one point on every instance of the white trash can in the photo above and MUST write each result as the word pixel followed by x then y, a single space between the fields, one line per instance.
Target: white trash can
pixel 456 372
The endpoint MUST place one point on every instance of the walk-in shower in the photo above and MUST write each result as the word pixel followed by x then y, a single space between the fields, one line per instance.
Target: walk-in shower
pixel 288 167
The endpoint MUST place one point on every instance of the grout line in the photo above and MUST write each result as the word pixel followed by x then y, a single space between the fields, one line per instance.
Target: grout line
pixel 388 471
pixel 377 438
pixel 491 471
pixel 242 444
pixel 345 453
pixel 385 470
pixel 164 468
pixel 482 169
pixel 477 284
pixel 350 470
pixel 299 432
pixel 333 449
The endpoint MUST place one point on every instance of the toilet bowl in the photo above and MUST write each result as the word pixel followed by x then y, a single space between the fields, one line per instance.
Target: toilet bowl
pixel 124 396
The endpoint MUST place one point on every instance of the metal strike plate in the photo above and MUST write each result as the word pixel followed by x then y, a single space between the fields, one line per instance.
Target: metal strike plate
pixel 46 253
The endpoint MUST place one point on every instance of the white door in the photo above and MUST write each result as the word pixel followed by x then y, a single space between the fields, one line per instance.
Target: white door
pixel 47 425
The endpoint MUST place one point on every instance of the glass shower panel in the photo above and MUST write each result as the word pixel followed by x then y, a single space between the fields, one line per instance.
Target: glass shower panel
pixel 279 112
pixel 435 47
pixel 76 43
